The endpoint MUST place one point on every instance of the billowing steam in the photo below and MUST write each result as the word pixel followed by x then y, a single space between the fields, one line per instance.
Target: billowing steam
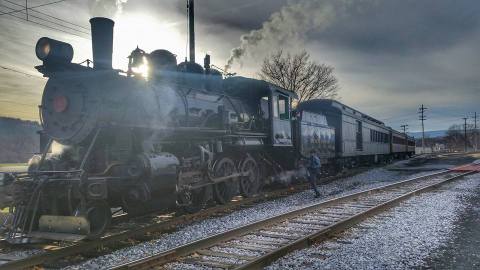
pixel 290 26
pixel 107 8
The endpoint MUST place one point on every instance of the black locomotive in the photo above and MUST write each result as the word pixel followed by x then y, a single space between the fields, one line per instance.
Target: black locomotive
pixel 176 140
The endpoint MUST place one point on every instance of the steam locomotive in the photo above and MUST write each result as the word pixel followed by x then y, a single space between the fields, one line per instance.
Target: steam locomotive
pixel 183 137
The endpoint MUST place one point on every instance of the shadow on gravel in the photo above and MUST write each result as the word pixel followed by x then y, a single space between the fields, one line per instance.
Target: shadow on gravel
pixel 463 249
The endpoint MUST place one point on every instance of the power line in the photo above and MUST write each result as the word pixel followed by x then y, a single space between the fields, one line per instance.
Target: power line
pixel 398 117
pixel 48 26
pixel 45 20
pixel 24 9
pixel 20 72
pixel 29 8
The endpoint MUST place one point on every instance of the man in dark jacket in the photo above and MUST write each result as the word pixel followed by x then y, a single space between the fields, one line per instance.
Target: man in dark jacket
pixel 313 167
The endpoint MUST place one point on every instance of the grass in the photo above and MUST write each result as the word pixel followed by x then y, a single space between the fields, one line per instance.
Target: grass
pixel 12 164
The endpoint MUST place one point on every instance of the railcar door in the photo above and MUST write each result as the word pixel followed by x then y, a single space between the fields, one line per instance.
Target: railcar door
pixel 281 125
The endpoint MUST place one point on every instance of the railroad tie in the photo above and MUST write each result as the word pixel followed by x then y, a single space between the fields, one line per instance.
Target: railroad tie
pixel 264 242
pixel 311 222
pixel 246 247
pixel 207 252
pixel 213 264
pixel 271 235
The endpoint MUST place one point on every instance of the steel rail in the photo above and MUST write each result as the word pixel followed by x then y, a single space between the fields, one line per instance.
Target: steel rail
pixel 339 227
pixel 202 246
pixel 159 227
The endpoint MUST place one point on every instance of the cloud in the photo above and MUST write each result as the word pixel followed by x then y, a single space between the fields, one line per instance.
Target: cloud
pixel 403 26
pixel 390 56
pixel 237 15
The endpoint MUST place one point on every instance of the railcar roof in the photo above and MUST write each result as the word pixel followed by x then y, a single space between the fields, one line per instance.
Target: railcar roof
pixel 248 87
pixel 333 105
pixel 315 105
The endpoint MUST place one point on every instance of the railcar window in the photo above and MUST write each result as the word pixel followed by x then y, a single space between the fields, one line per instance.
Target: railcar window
pixel 359 139
pixel 376 136
pixel 283 107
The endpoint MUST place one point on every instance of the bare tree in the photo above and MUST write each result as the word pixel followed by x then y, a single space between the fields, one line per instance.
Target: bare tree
pixel 455 137
pixel 300 74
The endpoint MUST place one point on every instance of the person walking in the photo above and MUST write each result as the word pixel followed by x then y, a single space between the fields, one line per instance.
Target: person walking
pixel 313 168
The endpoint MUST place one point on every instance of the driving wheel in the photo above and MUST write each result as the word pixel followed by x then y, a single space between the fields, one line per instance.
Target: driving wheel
pixel 225 190
pixel 99 215
pixel 250 181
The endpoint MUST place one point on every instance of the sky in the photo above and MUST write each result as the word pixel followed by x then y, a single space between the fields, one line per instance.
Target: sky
pixel 389 56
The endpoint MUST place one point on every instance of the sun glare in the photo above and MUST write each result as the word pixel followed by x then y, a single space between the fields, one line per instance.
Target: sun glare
pixel 142 69
pixel 146 32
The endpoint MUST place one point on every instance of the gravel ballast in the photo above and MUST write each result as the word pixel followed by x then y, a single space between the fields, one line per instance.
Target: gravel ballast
pixel 367 180
pixel 401 238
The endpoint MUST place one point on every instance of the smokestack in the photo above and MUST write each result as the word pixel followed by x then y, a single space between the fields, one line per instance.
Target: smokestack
pixel 191 29
pixel 102 42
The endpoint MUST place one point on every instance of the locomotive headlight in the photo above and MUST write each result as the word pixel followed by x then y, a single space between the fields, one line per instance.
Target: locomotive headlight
pixel 50 50
pixel 43 49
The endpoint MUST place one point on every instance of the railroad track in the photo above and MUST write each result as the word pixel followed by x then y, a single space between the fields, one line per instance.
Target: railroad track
pixel 258 244
pixel 143 231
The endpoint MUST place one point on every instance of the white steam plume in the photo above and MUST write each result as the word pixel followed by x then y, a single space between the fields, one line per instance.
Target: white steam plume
pixel 290 26
pixel 107 8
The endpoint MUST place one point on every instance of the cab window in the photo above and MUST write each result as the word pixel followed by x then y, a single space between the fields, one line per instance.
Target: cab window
pixel 275 106
pixel 264 108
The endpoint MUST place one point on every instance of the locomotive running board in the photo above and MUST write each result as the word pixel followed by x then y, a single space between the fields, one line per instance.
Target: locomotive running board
pixel 66 228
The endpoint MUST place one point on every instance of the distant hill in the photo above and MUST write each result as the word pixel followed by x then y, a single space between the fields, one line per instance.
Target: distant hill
pixel 18 140
pixel 429 134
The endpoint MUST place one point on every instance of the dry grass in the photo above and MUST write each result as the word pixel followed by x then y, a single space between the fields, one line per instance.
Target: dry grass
pixel 12 164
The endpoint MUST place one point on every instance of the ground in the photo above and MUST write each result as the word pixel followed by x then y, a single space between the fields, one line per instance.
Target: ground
pixel 462 249
pixel 419 233
pixel 13 167
pixel 436 230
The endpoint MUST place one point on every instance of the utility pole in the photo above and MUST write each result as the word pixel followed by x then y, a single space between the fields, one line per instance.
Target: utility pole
pixel 191 29
pixel 465 132
pixel 475 131
pixel 405 133
pixel 26 8
pixel 422 118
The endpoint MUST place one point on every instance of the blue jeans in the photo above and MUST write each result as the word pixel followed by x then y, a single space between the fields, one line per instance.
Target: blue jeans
pixel 312 178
